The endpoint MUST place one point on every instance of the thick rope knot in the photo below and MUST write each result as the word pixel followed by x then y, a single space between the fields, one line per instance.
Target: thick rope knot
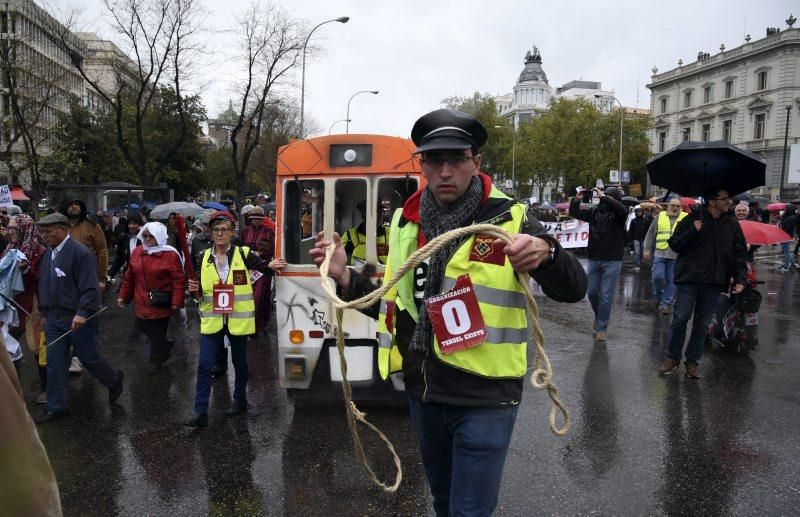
pixel 541 376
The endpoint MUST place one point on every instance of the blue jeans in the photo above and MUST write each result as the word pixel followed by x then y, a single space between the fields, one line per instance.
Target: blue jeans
pixel 603 276
pixel 83 343
pixel 663 280
pixel 788 258
pixel 209 345
pixel 699 299
pixel 638 249
pixel 463 450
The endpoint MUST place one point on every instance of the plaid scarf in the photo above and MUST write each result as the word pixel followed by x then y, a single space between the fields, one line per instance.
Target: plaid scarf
pixel 435 221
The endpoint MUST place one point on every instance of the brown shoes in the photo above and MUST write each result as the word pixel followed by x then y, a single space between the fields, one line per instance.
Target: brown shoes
pixel 669 366
pixel 692 370
pixel 600 336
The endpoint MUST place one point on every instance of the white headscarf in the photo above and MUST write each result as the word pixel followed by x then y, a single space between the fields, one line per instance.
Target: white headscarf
pixel 159 231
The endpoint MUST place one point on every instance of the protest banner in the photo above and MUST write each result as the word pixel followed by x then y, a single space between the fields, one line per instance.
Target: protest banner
pixel 571 234
pixel 5 196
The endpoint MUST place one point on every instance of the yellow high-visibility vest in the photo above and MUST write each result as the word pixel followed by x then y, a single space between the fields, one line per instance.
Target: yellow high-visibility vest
pixel 664 230
pixel 359 243
pixel 242 321
pixel 500 298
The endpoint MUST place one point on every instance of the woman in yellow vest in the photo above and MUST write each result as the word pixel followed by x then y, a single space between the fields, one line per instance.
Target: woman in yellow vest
pixel 227 308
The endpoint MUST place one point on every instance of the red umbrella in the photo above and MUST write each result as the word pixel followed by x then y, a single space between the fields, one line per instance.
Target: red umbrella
pixel 776 207
pixel 760 233
pixel 687 203
pixel 562 206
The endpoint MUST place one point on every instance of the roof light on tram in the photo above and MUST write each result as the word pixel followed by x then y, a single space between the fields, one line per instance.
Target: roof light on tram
pixel 350 155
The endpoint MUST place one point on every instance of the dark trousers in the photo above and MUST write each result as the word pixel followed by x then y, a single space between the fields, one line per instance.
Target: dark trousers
pixel 697 299
pixel 209 346
pixel 463 451
pixel 84 344
pixel 156 332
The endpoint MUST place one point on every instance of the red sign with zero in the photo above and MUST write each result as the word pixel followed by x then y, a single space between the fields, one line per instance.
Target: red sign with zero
pixel 223 298
pixel 456 317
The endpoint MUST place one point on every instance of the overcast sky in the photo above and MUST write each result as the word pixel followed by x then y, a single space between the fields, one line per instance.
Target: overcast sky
pixel 419 52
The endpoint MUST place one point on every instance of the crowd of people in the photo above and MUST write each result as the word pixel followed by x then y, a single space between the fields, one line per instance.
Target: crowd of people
pixel 463 400
pixel 55 274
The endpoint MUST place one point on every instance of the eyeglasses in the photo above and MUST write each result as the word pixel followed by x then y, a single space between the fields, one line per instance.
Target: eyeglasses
pixel 437 162
pixel 220 231
pixel 723 199
pixel 147 236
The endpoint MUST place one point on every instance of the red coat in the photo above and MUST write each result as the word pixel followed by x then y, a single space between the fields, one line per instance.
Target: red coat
pixel 159 272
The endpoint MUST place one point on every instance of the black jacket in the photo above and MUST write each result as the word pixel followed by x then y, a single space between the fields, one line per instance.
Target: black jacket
pixel 789 221
pixel 606 227
pixel 123 255
pixel 429 379
pixel 639 227
pixel 712 255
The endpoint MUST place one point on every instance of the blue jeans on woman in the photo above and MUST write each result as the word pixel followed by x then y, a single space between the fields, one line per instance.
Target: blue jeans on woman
pixel 463 451
pixel 788 258
pixel 699 299
pixel 209 345
pixel 663 280
pixel 603 276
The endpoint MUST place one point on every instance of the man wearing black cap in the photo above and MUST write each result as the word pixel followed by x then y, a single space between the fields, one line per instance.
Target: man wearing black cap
pixel 606 248
pixel 68 297
pixel 463 363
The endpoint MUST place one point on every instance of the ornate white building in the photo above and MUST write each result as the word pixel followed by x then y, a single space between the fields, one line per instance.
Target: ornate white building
pixel 746 95
pixel 532 93
pixel 530 98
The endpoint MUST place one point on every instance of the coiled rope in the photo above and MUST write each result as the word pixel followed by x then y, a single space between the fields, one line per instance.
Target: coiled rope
pixel 541 377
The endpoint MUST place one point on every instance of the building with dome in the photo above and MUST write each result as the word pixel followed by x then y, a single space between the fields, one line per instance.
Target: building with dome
pixel 532 93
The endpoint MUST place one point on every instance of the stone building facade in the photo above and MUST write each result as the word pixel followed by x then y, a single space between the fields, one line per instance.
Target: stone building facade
pixel 746 95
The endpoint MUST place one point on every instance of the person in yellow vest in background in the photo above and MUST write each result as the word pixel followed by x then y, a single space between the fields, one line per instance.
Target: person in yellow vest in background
pixel 463 362
pixel 227 308
pixel 665 258
pixel 354 240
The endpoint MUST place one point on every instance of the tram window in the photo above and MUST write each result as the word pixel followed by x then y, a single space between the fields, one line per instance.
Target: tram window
pixel 350 217
pixel 394 192
pixel 303 216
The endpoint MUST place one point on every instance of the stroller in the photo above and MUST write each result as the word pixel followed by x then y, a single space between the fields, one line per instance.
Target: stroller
pixel 734 324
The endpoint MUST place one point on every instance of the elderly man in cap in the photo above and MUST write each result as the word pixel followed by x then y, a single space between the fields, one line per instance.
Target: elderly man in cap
pixel 68 297
pixel 463 399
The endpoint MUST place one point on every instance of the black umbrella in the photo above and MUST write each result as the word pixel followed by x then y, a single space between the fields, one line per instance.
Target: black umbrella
pixel 762 200
pixel 744 196
pixel 691 168
pixel 794 201
pixel 630 201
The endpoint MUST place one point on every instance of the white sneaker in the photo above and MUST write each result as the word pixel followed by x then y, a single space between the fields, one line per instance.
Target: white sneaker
pixel 76 366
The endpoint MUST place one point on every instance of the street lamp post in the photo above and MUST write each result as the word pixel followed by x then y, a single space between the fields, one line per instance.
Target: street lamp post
pixel 621 125
pixel 785 145
pixel 341 19
pixel 340 120
pixel 513 157
pixel 373 92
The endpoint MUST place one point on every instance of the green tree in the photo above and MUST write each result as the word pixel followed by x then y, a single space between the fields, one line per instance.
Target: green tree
pixel 84 149
pixel 482 107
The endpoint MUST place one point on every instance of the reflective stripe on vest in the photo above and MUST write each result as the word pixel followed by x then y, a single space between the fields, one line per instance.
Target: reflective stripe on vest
pixel 500 297
pixel 359 243
pixel 664 231
pixel 242 321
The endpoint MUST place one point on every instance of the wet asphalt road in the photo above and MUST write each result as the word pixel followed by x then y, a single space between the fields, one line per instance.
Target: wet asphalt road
pixel 639 443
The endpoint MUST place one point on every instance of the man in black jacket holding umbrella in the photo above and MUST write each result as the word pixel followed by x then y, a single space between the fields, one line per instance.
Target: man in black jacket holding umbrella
pixel 711 251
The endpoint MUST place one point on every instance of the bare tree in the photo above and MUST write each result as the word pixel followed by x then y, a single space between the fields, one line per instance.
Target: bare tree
pixel 37 82
pixel 159 40
pixel 271 43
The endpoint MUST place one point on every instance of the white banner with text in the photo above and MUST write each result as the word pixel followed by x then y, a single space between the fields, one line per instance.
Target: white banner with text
pixel 571 234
